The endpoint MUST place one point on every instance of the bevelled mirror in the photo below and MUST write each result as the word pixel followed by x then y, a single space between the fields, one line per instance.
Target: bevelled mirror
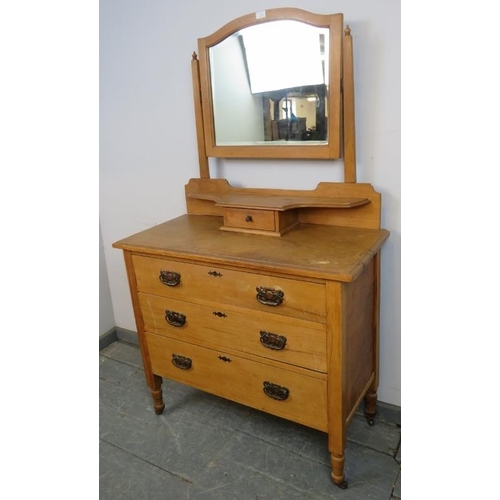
pixel 270 85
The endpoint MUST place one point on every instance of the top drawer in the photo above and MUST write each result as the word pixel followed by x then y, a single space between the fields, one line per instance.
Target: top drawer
pixel 184 281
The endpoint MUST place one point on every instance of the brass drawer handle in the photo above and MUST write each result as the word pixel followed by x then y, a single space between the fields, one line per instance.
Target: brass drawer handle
pixel 170 278
pixel 269 296
pixel 181 362
pixel 272 341
pixel 275 391
pixel 175 318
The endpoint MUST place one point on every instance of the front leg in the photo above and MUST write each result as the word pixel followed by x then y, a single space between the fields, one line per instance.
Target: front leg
pixel 157 393
pixel 338 476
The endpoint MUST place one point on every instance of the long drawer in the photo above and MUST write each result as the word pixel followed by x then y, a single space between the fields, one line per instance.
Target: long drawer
pixel 284 393
pixel 301 343
pixel 185 281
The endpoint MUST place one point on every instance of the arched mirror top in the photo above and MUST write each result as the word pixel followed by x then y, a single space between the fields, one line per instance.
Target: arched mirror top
pixel 295 110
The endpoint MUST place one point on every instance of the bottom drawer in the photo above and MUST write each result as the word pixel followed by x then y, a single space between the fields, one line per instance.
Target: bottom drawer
pixel 275 390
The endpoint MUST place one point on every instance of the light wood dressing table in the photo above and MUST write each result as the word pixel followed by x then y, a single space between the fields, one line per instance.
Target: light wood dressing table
pixel 268 297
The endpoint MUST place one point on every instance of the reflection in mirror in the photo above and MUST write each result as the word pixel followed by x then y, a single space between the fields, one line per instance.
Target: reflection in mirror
pixel 270 83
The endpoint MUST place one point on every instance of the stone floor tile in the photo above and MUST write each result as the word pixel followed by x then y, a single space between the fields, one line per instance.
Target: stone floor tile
pixel 227 479
pixel 396 493
pixel 382 436
pixel 123 476
pixel 398 454
pixel 127 399
pixel 115 371
pixel 178 444
pixel 370 474
pixel 124 352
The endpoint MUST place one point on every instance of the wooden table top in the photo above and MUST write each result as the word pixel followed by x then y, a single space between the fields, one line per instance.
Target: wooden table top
pixel 309 250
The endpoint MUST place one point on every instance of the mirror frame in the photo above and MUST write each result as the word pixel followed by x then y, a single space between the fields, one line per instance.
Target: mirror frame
pixel 332 149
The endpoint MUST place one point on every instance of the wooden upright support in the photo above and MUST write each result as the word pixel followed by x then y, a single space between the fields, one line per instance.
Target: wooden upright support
pixel 349 133
pixel 202 153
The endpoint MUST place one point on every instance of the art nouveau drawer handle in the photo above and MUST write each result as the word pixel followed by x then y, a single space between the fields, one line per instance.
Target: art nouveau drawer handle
pixel 174 318
pixel 276 391
pixel 170 278
pixel 269 296
pixel 272 341
pixel 181 362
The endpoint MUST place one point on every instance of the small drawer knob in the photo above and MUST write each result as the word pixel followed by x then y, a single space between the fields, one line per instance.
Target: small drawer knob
pixel 248 218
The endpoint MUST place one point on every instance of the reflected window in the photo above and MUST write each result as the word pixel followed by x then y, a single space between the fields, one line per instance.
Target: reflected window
pixel 288 109
pixel 284 55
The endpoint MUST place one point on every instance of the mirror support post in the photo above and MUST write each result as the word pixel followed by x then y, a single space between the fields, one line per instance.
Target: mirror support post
pixel 349 134
pixel 202 152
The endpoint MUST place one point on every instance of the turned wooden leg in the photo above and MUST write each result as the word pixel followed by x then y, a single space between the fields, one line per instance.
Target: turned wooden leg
pixel 336 353
pixel 157 394
pixel 371 395
pixel 371 406
pixel 338 476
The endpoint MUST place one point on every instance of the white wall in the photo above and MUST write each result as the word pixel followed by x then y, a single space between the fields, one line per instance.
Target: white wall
pixel 148 148
pixel 106 314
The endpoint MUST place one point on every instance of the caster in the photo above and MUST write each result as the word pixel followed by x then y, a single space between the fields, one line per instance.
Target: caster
pixel 159 409
pixel 371 422
pixel 342 485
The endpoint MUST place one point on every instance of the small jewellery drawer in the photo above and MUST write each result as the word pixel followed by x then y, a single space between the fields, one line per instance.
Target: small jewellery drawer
pixel 300 343
pixel 288 394
pixel 249 219
pixel 192 282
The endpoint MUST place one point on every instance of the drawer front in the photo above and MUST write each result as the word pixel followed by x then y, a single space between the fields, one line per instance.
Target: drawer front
pixel 190 282
pixel 274 390
pixel 249 219
pixel 263 335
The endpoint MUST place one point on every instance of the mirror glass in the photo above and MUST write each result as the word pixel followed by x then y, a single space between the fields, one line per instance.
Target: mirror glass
pixel 269 85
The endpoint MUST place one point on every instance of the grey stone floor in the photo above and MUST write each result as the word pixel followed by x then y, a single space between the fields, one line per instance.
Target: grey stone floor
pixel 204 447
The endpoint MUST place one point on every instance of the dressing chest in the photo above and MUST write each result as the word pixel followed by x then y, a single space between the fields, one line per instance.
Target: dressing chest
pixel 267 297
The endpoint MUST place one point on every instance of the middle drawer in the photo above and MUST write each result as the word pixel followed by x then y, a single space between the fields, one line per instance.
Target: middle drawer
pixel 301 343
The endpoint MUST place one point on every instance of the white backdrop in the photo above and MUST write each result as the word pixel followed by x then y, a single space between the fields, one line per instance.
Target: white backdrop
pixel 148 149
